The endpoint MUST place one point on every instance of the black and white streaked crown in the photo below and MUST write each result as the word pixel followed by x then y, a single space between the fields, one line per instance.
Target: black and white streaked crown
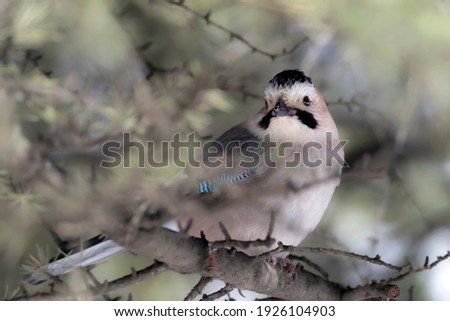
pixel 289 77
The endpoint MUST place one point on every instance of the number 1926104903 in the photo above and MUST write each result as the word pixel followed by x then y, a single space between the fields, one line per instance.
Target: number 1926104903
pixel 284 311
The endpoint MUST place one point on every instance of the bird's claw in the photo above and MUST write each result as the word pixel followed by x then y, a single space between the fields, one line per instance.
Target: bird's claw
pixel 287 266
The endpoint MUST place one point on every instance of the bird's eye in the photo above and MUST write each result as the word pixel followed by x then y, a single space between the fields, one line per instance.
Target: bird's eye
pixel 306 101
pixel 277 106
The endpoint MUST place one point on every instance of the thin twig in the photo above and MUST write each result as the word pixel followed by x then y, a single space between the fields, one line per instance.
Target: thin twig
pixel 224 231
pixel 267 242
pixel 233 35
pixel 136 276
pixel 106 287
pixel 198 288
pixel 424 267
pixel 240 89
pixel 374 260
pixel 229 242
pixel 218 294
pixel 312 264
pixel 97 283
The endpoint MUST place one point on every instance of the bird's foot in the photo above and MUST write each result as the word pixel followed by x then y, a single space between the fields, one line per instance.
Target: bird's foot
pixel 287 266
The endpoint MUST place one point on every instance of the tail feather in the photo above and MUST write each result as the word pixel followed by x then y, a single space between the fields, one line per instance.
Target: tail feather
pixel 84 258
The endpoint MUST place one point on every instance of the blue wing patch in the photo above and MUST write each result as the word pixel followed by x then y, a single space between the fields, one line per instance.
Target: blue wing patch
pixel 210 186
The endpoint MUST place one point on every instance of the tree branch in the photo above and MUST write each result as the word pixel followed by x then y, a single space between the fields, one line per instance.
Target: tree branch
pixel 198 288
pixel 218 294
pixel 233 35
pixel 425 266
pixel 301 249
pixel 185 254
pixel 101 289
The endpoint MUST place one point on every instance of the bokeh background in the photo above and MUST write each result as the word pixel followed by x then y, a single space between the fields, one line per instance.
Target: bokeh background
pixel 75 74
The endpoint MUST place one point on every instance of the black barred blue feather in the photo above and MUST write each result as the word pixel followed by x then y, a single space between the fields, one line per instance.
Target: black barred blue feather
pixel 214 185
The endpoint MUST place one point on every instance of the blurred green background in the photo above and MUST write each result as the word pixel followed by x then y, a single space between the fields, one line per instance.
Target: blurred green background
pixel 74 74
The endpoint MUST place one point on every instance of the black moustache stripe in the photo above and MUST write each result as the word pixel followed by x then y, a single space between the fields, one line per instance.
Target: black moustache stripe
pixel 265 121
pixel 307 118
pixel 304 116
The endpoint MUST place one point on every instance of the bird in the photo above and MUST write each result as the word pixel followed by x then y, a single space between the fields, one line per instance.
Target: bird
pixel 296 166
pixel 279 171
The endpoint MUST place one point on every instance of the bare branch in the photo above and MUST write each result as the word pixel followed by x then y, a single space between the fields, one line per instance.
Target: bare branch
pixel 102 288
pixel 97 284
pixel 315 266
pixel 293 249
pixel 372 291
pixel 134 277
pixel 190 255
pixel 233 35
pixel 424 267
pixel 230 243
pixel 225 232
pixel 198 288
pixel 218 294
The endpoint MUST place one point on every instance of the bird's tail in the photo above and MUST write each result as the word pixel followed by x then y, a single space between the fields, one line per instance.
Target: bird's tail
pixel 66 263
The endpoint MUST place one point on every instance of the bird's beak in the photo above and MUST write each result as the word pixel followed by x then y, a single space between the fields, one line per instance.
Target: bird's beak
pixel 282 110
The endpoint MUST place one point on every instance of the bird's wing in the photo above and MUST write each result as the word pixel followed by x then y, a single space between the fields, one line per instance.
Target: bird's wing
pixel 240 150
pixel 239 133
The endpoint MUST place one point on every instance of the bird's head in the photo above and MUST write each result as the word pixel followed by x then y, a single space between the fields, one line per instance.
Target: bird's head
pixel 294 110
